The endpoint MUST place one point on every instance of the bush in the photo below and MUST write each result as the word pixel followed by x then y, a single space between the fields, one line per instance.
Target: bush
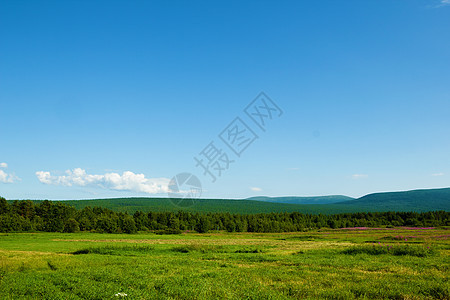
pixel 168 231
pixel 128 224
pixel 71 225
pixel 14 222
pixel 106 224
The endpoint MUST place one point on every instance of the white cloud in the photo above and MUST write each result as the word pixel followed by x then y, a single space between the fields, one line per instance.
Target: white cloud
pixel 442 3
pixel 127 181
pixel 256 189
pixel 7 177
pixel 438 174
pixel 359 176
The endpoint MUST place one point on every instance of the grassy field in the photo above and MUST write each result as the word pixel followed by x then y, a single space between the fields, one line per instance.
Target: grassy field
pixel 328 264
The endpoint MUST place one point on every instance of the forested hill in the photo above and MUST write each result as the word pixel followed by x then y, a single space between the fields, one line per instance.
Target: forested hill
pixel 131 205
pixel 55 216
pixel 415 200
pixel 304 200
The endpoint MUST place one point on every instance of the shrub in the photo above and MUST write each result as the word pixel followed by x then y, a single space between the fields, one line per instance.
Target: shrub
pixel 71 225
pixel 168 231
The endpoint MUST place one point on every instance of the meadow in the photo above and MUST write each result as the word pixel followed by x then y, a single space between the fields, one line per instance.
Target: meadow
pixel 355 263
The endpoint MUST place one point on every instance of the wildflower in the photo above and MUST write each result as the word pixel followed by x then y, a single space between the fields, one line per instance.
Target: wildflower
pixel 120 295
pixel 406 240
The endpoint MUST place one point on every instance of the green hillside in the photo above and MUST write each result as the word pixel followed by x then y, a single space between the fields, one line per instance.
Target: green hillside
pixel 131 205
pixel 304 200
pixel 416 200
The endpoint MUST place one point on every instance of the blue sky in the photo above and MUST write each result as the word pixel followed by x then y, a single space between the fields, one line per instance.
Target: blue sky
pixel 114 98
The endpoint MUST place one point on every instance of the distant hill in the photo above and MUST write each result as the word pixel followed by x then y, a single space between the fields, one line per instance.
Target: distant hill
pixel 131 205
pixel 415 200
pixel 304 200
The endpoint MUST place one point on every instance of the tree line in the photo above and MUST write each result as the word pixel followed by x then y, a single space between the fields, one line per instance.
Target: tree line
pixel 53 216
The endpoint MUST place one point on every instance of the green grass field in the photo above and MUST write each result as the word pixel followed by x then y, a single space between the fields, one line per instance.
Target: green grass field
pixel 327 264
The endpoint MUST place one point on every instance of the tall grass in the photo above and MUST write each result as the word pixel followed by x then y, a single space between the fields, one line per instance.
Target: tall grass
pixel 398 250
pixel 336 265
pixel 115 250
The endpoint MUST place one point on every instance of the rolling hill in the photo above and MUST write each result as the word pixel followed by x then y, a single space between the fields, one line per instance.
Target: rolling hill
pixel 416 200
pixel 131 205
pixel 304 200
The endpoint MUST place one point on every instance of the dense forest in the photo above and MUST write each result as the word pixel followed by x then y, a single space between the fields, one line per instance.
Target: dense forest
pixel 59 217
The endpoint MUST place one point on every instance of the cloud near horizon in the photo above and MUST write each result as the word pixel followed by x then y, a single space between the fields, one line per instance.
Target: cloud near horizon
pixel 256 189
pixel 438 174
pixel 128 181
pixel 7 177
